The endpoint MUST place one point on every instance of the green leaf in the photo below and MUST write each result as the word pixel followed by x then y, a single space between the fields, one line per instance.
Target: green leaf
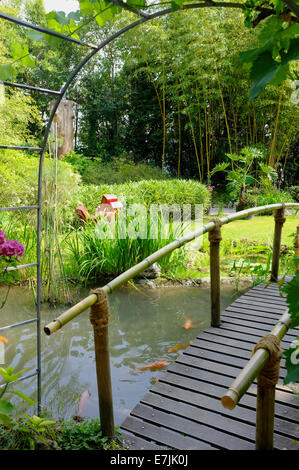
pixel 263 70
pixel 219 167
pixel 23 396
pixel 136 3
pixel 5 407
pixel 249 179
pixel 35 35
pixel 4 419
pixel 28 61
pixel 271 27
pixel 7 72
pixel 293 52
pixel 292 363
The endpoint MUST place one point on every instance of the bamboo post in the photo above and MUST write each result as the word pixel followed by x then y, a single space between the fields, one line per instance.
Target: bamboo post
pixel 265 400
pixel 99 318
pixel 215 239
pixel 296 246
pixel 279 221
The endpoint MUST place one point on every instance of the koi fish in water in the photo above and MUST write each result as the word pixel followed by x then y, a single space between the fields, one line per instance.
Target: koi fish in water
pixel 4 340
pixel 188 325
pixel 178 347
pixel 83 401
pixel 155 366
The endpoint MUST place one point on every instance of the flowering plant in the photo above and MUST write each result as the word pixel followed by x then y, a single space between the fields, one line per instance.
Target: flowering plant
pixel 10 248
pixel 10 251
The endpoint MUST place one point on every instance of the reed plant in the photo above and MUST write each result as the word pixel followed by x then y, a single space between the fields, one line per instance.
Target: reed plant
pixel 93 256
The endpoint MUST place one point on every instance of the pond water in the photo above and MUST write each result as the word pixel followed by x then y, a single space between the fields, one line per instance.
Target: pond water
pixel 143 327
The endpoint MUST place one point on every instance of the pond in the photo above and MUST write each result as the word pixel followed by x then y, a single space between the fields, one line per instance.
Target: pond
pixel 144 326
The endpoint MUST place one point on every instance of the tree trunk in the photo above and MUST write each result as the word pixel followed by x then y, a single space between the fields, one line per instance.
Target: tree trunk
pixel 64 118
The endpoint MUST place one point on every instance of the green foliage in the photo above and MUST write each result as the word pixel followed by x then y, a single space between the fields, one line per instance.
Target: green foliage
pixel 291 289
pixel 100 250
pixel 78 161
pixel 278 45
pixel 174 191
pixel 264 196
pixel 86 436
pixel 120 170
pixel 41 433
pixel 294 192
pixel 6 407
pixel 247 168
pixel 19 185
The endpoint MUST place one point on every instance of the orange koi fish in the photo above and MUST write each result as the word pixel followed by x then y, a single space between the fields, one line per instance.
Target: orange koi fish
pixel 83 400
pixel 155 366
pixel 188 324
pixel 178 347
pixel 4 340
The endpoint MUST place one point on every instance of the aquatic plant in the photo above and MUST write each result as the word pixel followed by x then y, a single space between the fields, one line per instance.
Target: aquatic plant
pixel 6 407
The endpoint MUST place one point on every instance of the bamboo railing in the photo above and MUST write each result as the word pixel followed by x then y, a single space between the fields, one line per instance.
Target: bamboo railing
pixel 265 391
pixel 214 229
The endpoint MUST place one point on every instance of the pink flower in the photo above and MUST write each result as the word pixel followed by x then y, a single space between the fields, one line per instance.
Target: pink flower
pixel 2 237
pixel 12 248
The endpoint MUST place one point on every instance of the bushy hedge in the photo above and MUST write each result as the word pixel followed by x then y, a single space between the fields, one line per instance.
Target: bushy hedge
pixel 294 192
pixel 172 191
pixel 260 198
pixel 19 177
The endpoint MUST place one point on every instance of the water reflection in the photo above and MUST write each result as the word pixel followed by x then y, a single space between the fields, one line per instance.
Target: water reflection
pixel 142 329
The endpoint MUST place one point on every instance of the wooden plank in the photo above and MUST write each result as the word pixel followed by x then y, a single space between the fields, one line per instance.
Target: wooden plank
pixel 260 305
pixel 232 427
pixel 222 358
pixel 255 308
pixel 132 442
pixel 270 299
pixel 202 416
pixel 269 322
pixel 242 413
pixel 261 328
pixel 251 313
pixel 214 386
pixel 259 332
pixel 187 427
pixel 163 436
pixel 249 338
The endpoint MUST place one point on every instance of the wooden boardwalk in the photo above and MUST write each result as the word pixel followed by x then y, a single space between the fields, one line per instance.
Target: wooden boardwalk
pixel 183 410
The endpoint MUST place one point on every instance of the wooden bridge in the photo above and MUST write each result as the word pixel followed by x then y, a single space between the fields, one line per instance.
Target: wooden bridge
pixel 183 409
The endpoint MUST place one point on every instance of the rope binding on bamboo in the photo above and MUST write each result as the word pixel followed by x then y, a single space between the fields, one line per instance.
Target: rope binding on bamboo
pixel 215 234
pixel 99 312
pixel 268 377
pixel 279 215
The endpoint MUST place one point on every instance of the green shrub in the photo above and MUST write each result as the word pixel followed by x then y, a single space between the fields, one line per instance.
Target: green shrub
pixel 19 177
pixel 120 170
pixel 78 161
pixel 294 192
pixel 93 256
pixel 172 191
pixel 260 198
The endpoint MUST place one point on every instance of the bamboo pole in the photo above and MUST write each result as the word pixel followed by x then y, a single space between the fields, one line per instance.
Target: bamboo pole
pixel 279 221
pixel 99 318
pixel 265 409
pixel 138 268
pixel 215 239
pixel 253 367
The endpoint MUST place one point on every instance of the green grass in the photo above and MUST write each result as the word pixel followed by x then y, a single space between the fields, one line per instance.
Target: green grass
pixel 261 229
